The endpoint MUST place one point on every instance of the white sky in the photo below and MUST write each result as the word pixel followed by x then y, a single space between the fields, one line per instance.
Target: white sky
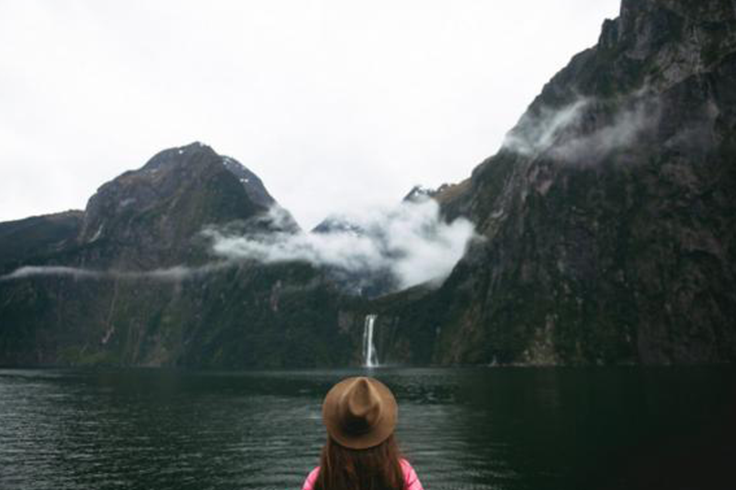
pixel 338 105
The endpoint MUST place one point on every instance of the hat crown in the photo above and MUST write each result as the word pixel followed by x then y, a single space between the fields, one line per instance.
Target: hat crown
pixel 359 412
pixel 360 407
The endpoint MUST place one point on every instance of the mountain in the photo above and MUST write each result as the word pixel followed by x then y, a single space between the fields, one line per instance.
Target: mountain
pixel 608 217
pixel 606 234
pixel 132 280
pixel 150 217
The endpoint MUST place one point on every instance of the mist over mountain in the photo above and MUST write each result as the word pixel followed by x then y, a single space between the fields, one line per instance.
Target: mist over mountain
pixel 608 213
pixel 602 232
pixel 404 246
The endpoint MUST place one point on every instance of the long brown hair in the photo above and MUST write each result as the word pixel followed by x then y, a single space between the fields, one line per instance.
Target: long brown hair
pixel 375 468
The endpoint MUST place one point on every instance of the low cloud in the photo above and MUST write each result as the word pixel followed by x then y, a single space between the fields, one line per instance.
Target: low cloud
pixel 411 242
pixel 536 133
pixel 583 132
pixel 173 274
pixel 627 125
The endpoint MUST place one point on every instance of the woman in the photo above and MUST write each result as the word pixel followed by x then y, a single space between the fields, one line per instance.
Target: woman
pixel 361 452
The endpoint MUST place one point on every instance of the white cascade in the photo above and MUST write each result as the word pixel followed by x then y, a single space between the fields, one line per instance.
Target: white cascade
pixel 370 357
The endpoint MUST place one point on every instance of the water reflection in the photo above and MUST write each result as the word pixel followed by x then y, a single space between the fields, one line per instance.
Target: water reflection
pixel 504 429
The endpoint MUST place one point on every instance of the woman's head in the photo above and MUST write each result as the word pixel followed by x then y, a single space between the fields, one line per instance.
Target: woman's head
pixel 360 412
pixel 360 415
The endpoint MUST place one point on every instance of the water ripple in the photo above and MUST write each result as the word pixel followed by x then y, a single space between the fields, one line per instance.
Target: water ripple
pixel 469 429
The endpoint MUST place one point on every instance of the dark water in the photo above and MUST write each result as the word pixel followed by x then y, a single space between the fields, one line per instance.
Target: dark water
pixel 506 428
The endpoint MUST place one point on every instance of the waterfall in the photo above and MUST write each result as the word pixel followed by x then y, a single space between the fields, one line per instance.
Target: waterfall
pixel 370 357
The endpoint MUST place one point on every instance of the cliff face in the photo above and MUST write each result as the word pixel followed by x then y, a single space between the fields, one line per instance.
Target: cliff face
pixel 36 237
pixel 608 215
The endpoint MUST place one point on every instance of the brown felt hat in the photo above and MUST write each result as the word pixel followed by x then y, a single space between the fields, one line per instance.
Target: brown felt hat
pixel 360 412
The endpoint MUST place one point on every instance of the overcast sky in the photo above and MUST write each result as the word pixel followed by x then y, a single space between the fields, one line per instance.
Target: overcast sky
pixel 337 105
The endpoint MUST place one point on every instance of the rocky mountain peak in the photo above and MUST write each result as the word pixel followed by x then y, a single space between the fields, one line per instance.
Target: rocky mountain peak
pixel 419 193
pixel 188 154
pixel 198 154
pixel 172 197
pixel 338 224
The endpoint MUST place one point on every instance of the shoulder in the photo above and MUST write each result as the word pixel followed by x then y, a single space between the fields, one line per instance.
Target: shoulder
pixel 311 478
pixel 410 476
pixel 406 467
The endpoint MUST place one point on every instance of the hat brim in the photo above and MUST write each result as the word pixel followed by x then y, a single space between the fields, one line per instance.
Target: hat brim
pixel 378 433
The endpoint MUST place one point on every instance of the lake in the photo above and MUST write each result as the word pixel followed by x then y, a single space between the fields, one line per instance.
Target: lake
pixel 503 428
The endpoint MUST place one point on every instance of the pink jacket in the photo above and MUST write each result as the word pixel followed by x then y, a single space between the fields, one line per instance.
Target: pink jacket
pixel 410 477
